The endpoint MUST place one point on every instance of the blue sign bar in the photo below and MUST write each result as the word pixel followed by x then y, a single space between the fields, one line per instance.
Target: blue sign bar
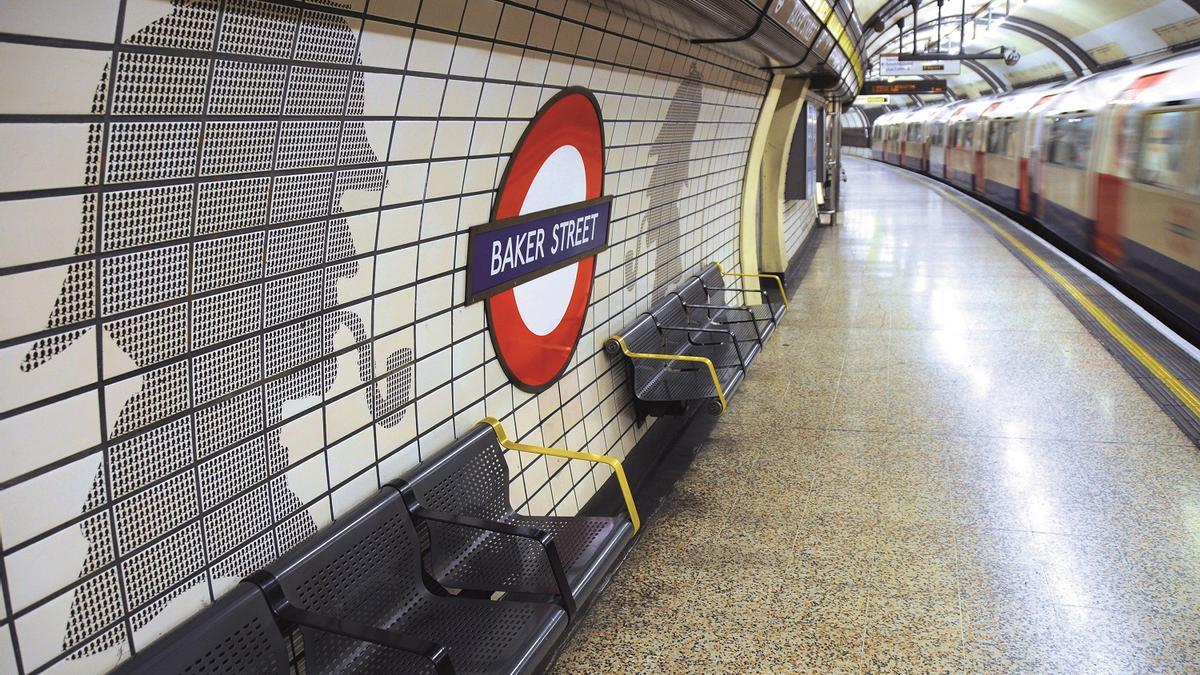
pixel 509 252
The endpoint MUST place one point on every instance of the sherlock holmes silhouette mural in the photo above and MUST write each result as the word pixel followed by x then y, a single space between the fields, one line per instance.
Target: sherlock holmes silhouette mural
pixel 218 277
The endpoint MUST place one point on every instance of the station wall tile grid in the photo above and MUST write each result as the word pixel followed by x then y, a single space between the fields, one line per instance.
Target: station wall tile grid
pixel 232 243
pixel 799 218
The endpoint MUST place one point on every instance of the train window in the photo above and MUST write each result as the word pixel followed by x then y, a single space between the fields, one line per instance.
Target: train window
pixel 1069 141
pixel 937 135
pixel 914 132
pixel 999 137
pixel 1160 154
pixel 961 135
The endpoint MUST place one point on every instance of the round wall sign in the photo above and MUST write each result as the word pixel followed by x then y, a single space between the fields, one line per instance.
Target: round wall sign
pixel 558 162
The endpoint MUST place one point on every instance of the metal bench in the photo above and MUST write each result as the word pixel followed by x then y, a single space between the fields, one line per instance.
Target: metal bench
pixel 681 327
pixel 365 572
pixel 236 634
pixel 765 315
pixel 695 347
pixel 746 330
pixel 242 632
pixel 479 543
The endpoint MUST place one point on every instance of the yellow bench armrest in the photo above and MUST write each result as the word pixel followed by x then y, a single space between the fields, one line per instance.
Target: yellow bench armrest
pixel 613 462
pixel 712 370
pixel 774 277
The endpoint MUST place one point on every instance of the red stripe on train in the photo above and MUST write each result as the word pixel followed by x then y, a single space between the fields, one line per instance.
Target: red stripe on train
pixel 1110 208
pixel 1023 185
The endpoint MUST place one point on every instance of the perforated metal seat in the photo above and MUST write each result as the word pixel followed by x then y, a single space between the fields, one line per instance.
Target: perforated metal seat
pixel 365 569
pixel 236 634
pixel 743 324
pixel 674 383
pixel 671 347
pixel 767 314
pixel 700 336
pixel 469 482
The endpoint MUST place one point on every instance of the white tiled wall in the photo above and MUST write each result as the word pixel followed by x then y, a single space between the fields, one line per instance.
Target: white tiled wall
pixel 799 217
pixel 231 275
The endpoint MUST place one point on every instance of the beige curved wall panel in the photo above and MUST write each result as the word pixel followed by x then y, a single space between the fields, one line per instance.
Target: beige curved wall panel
pixel 773 247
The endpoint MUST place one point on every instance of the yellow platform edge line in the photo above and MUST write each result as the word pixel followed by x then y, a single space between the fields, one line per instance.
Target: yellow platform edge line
pixel 612 462
pixel 1181 391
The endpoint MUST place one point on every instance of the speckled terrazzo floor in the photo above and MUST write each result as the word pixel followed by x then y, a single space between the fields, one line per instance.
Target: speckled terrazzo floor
pixel 932 468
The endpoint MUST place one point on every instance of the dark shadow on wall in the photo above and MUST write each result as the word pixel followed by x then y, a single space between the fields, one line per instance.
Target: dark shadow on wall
pixel 193 471
pixel 660 225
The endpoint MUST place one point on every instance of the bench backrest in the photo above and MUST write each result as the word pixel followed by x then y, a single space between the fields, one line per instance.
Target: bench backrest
pixel 670 312
pixel 693 293
pixel 236 634
pixel 644 336
pixel 470 477
pixel 366 568
pixel 714 281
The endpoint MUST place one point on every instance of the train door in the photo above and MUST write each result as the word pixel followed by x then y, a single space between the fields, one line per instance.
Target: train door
pixel 925 148
pixel 946 155
pixel 1111 189
pixel 977 170
pixel 1161 215
pixel 1032 157
pixel 1067 175
pixel 981 147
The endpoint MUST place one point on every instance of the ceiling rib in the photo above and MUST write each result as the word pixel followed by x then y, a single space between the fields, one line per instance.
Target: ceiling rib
pixel 993 80
pixel 1085 59
pixel 1075 57
pixel 1066 56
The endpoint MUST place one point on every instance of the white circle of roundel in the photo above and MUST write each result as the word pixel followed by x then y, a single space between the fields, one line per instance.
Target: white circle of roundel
pixel 560 180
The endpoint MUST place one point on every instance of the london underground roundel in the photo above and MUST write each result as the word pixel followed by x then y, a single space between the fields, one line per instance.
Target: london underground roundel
pixel 533 264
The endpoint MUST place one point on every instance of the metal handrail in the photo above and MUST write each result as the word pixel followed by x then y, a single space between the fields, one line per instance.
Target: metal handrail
pixel 613 462
pixel 782 291
pixel 712 370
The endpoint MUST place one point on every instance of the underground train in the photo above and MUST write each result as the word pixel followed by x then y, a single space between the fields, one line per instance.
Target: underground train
pixel 1109 163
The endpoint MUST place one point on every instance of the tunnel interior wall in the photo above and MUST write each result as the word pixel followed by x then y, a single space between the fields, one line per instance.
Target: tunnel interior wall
pixel 232 248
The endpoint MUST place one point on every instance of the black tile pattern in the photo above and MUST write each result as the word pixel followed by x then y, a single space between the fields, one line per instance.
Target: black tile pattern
pixel 221 209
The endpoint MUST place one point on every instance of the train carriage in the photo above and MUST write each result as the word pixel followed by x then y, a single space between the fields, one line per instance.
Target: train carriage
pixel 1030 150
pixel 1149 197
pixel 915 152
pixel 1071 131
pixel 965 142
pixel 937 131
pixel 879 137
pixel 1109 163
pixel 1005 168
pixel 891 130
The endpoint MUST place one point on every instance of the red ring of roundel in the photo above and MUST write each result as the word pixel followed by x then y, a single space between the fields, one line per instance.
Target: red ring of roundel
pixel 533 362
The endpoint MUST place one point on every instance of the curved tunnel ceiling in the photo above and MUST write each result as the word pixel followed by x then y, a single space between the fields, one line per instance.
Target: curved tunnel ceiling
pixel 1057 39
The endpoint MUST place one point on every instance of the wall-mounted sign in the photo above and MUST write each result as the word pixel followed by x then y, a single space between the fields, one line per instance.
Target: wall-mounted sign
pixel 879 88
pixel 506 253
pixel 796 17
pixel 533 264
pixel 878 99
pixel 890 65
